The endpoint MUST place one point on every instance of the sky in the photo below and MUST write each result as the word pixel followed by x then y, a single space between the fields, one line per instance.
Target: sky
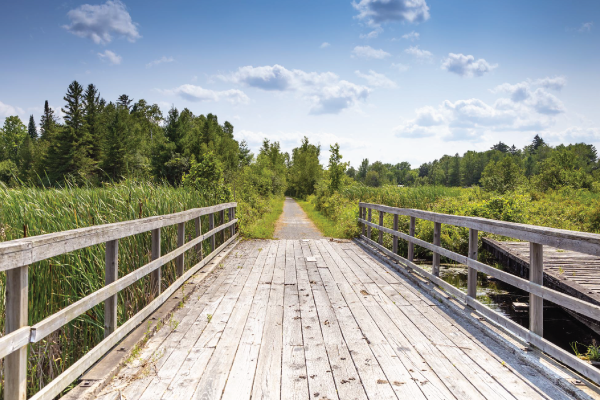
pixel 389 80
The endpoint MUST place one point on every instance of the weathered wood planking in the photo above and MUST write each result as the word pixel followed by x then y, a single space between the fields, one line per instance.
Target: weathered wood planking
pixel 570 272
pixel 322 320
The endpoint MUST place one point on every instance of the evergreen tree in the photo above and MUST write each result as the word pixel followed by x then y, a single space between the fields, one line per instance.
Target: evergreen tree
pixel 113 163
pixel 47 122
pixel 31 129
pixel 362 170
pixel 93 122
pixel 245 156
pixel 537 142
pixel 336 167
pixel 124 101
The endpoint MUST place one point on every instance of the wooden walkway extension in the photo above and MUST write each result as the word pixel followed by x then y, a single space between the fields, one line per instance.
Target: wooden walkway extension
pixel 570 272
pixel 320 319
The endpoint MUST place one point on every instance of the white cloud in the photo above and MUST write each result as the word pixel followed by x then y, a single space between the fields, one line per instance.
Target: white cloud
pixel 373 34
pixel 112 58
pixel 466 66
pixel 412 36
pixel 400 67
pixel 530 108
pixel 577 134
pixel 586 27
pixel 369 52
pixel 161 60
pixel 419 54
pixel 381 11
pixel 197 94
pixel 7 110
pixel 324 45
pixel 556 83
pixel 100 22
pixel 377 80
pixel 327 93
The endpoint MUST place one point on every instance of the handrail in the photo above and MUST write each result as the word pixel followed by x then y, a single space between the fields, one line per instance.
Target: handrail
pixel 588 243
pixel 16 255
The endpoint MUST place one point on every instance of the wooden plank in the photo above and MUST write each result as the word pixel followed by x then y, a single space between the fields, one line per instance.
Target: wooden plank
pixel 294 379
pixel 53 388
pixel 437 232
pixel 198 228
pixel 583 242
pixel 189 354
pixel 369 212
pixel 179 261
pixel 267 380
pixel 20 252
pixel 416 326
pixel 367 363
pixel 156 275
pixel 395 238
pixel 536 275
pixel 241 377
pixel 380 224
pixel 16 309
pixel 347 380
pixel 55 321
pixel 11 342
pixel 400 372
pixel 318 368
pixel 111 274
pixel 217 370
pixel 433 364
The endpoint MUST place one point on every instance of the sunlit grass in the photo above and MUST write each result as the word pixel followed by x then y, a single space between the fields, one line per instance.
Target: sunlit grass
pixel 264 226
pixel 328 227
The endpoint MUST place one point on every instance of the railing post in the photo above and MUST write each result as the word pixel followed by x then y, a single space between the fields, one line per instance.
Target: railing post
pixel 111 274
pixel 536 275
pixel 369 226
pixel 437 230
pixel 231 218
pixel 380 240
pixel 411 245
pixel 222 222
pixel 472 272
pixel 15 364
pixel 395 238
pixel 361 213
pixel 211 226
pixel 156 275
pixel 179 261
pixel 198 226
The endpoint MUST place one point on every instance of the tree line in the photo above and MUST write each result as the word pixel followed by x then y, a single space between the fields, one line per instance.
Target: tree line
pixel 501 168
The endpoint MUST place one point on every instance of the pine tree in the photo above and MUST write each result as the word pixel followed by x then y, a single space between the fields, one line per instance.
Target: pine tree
pixel 124 101
pixel 91 100
pixel 47 122
pixel 31 129
pixel 114 151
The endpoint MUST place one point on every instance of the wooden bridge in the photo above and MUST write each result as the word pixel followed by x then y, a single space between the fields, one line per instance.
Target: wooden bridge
pixel 303 318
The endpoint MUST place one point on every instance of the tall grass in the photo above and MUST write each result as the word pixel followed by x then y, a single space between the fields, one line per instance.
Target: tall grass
pixel 62 280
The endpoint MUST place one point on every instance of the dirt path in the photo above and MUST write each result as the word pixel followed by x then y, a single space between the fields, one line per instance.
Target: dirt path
pixel 294 223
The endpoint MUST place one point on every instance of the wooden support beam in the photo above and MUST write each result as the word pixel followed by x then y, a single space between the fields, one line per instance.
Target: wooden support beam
pixel 179 261
pixel 395 238
pixel 411 246
pixel 211 225
pixel 111 274
pixel 15 364
pixel 380 241
pixel 536 275
pixel 155 276
pixel 472 272
pixel 368 226
pixel 437 233
pixel 198 227
pixel 361 212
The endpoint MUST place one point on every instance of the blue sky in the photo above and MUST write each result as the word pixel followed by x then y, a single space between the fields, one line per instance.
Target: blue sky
pixel 390 80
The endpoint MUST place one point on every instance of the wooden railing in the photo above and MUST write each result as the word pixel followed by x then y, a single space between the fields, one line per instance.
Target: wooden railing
pixel 587 243
pixel 16 256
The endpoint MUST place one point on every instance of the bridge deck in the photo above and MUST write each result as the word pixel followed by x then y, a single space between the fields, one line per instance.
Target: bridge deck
pixel 319 319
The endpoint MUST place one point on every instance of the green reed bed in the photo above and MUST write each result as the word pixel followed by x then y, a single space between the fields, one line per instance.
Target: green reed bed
pixel 62 280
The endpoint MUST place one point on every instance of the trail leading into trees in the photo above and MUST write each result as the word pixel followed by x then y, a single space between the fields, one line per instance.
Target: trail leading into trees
pixel 294 223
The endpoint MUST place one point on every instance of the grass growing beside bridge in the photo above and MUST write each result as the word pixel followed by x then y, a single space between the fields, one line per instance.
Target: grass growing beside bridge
pixel 62 280
pixel 262 226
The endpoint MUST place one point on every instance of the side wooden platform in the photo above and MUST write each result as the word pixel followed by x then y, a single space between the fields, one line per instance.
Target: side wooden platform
pixel 570 272
pixel 321 319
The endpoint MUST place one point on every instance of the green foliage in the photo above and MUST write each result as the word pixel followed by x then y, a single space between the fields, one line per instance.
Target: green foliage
pixel 12 135
pixel 304 170
pixel 503 176
pixel 336 168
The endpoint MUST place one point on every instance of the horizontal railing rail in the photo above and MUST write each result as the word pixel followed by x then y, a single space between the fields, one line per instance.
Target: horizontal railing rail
pixel 17 255
pixel 588 243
